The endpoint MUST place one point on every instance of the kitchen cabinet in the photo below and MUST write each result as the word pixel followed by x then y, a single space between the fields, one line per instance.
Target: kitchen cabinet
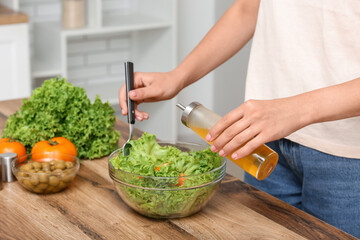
pixel 92 57
pixel 14 55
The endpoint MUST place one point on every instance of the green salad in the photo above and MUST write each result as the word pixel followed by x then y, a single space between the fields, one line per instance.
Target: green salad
pixel 165 181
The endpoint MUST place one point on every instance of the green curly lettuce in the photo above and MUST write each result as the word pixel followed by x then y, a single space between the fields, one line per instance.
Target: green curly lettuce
pixel 58 108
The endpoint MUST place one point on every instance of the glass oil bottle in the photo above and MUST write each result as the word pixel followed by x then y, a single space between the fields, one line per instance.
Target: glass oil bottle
pixel 259 163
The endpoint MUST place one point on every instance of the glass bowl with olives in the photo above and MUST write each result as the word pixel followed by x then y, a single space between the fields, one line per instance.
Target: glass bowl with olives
pixel 45 172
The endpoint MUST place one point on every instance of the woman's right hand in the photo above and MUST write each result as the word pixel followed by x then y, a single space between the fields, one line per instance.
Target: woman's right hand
pixel 150 87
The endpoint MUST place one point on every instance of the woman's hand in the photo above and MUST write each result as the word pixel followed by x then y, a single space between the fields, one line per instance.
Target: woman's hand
pixel 150 87
pixel 254 123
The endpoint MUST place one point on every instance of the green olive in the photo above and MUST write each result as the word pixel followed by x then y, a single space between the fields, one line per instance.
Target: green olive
pixel 34 179
pixel 26 167
pixel 22 174
pixel 37 165
pixel 28 184
pixel 46 166
pixel 57 171
pixel 43 177
pixel 60 164
pixel 60 187
pixel 53 181
pixel 69 164
pixel 42 186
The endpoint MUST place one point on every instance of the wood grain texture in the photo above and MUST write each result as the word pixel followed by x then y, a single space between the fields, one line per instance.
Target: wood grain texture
pixel 90 208
pixel 8 16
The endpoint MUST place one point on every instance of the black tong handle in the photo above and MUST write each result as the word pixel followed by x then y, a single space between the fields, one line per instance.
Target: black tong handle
pixel 129 82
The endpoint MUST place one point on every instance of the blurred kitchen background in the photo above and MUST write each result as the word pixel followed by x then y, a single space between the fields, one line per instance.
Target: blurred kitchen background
pixel 87 42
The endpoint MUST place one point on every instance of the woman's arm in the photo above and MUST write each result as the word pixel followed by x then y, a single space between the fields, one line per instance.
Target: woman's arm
pixel 233 30
pixel 260 121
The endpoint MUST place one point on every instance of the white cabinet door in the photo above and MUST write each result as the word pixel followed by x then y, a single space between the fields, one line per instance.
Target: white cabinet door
pixel 15 81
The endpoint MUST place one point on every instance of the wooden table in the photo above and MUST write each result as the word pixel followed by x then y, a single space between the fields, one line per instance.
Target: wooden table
pixel 90 208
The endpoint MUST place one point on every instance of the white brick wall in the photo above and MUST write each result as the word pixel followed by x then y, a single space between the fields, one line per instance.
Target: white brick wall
pixel 85 46
pixel 76 60
pixel 106 87
pixel 117 69
pixel 107 57
pixel 97 63
pixel 86 72
pixel 119 42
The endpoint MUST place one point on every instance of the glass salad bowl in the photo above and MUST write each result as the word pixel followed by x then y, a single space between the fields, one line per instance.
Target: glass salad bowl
pixel 167 197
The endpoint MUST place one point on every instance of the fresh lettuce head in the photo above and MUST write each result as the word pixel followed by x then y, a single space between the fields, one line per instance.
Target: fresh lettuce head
pixel 58 108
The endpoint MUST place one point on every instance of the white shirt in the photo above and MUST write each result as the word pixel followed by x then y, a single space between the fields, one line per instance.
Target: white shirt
pixel 302 45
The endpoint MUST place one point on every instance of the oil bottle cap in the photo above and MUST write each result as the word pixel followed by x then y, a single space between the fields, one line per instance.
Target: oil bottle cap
pixel 187 110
